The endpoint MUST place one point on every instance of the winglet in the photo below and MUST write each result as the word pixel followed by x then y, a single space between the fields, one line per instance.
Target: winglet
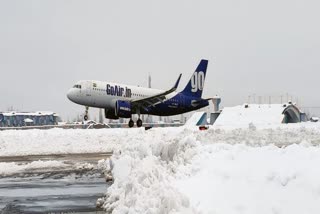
pixel 177 83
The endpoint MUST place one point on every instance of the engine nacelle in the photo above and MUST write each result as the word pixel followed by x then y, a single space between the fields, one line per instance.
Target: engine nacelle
pixel 123 109
pixel 110 114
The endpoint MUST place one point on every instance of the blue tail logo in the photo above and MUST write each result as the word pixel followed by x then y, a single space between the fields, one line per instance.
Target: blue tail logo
pixel 195 86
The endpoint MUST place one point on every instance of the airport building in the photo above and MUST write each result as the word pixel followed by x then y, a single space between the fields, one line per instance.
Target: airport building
pixel 20 119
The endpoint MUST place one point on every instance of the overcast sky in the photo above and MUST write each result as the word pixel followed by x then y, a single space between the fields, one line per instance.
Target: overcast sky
pixel 253 47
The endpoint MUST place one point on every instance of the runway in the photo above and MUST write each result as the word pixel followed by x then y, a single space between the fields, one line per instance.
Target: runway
pixel 73 188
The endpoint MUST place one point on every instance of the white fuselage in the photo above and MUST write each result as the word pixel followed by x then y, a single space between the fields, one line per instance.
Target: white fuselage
pixel 101 94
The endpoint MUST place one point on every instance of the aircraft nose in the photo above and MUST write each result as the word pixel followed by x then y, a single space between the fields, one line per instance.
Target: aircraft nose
pixel 71 94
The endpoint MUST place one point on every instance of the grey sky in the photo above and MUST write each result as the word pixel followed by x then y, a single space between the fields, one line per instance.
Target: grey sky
pixel 254 47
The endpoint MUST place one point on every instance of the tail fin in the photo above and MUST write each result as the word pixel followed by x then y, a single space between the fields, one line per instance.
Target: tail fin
pixel 195 86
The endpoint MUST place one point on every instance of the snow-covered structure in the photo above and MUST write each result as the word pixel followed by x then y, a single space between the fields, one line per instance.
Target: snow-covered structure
pixel 259 114
pixel 18 119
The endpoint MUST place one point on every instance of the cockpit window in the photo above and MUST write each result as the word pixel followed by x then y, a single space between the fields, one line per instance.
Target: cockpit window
pixel 77 86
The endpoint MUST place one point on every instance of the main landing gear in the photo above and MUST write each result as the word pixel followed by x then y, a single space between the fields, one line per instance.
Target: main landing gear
pixel 131 123
pixel 86 117
pixel 139 122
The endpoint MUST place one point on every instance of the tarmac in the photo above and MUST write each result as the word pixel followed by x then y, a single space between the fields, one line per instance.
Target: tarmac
pixel 52 190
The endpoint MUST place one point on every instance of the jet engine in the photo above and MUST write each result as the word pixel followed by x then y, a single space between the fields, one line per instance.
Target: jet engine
pixel 110 114
pixel 123 109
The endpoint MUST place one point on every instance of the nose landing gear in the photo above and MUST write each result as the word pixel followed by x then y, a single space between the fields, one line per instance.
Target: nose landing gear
pixel 86 117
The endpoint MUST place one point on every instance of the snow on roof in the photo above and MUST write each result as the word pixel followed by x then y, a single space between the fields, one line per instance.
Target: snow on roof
pixel 28 120
pixel 263 114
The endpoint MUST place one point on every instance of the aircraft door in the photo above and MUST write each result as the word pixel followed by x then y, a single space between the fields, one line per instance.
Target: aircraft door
pixel 87 91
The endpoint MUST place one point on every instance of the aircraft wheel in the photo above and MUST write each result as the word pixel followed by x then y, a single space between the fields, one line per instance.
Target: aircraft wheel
pixel 131 123
pixel 139 122
pixel 85 117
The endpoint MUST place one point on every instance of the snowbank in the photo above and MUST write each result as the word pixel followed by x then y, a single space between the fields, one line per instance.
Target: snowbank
pixel 13 168
pixel 183 170
pixel 217 171
pixel 67 141
pixel 243 179
pixel 61 141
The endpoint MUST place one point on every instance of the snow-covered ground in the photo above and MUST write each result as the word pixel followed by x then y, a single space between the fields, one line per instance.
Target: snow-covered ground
pixel 61 141
pixel 252 170
pixel 13 168
pixel 183 170
pixel 40 167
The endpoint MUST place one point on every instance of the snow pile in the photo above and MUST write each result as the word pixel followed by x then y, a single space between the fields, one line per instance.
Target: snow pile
pixel 143 175
pixel 61 141
pixel 14 168
pixel 217 171
pixel 184 170
pixel 39 167
pixel 70 141
pixel 244 179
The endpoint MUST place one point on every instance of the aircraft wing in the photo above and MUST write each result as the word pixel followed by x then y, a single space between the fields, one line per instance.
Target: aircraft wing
pixel 155 99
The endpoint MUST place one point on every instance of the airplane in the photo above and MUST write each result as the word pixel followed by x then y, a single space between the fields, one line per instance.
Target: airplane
pixel 122 101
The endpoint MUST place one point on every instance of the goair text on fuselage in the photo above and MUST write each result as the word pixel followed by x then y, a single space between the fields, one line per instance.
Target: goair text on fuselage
pixel 118 91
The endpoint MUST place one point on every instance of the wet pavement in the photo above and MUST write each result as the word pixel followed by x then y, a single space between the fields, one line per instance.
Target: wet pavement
pixel 71 189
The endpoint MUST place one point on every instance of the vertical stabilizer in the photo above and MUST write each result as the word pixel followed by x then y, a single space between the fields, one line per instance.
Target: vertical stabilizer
pixel 195 85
